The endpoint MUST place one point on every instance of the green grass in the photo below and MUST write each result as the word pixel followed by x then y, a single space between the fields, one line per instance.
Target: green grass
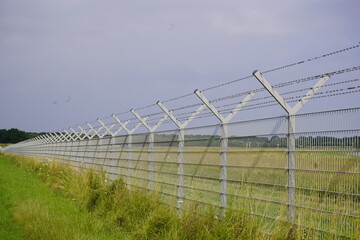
pixel 95 209
pixel 9 228
pixel 30 210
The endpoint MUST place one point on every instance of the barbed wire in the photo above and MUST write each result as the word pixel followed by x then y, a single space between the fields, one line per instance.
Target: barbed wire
pixel 255 90
pixel 312 59
pixel 286 66
pixel 291 92
pixel 288 99
pixel 261 89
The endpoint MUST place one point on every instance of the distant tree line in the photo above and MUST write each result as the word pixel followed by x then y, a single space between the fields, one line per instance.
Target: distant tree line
pixel 14 135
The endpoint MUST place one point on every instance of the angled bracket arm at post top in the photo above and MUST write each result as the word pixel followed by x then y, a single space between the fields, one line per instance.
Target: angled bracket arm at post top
pixel 46 138
pixel 173 118
pixel 83 132
pixel 91 130
pixel 96 132
pixel 55 137
pixel 209 105
pixel 272 91
pixel 106 128
pixel 69 135
pixel 310 94
pixel 290 110
pixel 76 134
pixel 60 137
pixel 137 126
pixel 239 107
pixel 169 113
pixel 142 120
pixel 217 113
pixel 64 137
pixel 39 139
pixel 42 139
pixel 192 117
pixel 50 137
pixel 122 125
pixel 160 122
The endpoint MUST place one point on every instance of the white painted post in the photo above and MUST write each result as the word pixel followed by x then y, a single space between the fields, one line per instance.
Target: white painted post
pixel 98 141
pixel 223 142
pixel 76 157
pixel 181 145
pixel 111 147
pixel 291 111
pixel 77 136
pixel 46 147
pixel 53 145
pixel 128 143
pixel 86 135
pixel 151 130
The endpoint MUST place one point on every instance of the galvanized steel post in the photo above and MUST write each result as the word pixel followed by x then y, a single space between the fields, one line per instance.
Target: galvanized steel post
pixel 291 111
pixel 151 177
pixel 128 142
pixel 223 142
pixel 181 145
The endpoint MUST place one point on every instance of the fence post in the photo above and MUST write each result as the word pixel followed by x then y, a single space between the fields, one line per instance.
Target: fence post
pixel 223 143
pixel 84 135
pixel 128 142
pixel 291 131
pixel 151 139
pixel 111 147
pixel 98 142
pixel 291 167
pixel 181 145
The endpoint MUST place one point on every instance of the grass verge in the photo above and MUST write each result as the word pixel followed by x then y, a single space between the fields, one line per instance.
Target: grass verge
pixel 32 211
pixel 94 209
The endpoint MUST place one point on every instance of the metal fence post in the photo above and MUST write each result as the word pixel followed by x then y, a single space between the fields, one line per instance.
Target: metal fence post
pixel 151 139
pixel 180 187
pixel 291 111
pixel 84 135
pixel 128 142
pixel 223 142
pixel 291 167
pixel 98 142
pixel 129 155
pixel 181 146
pixel 151 176
pixel 223 165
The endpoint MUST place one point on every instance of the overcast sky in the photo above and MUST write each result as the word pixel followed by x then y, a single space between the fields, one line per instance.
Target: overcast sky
pixel 64 62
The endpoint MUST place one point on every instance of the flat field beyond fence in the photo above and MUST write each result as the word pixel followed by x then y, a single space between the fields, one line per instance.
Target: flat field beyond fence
pixel 327 180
